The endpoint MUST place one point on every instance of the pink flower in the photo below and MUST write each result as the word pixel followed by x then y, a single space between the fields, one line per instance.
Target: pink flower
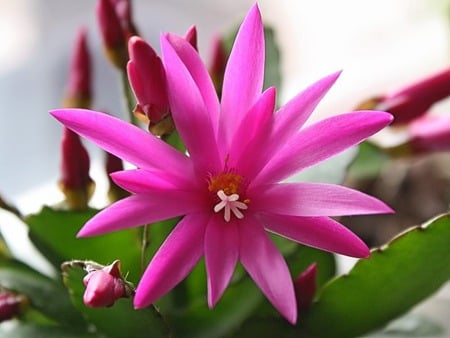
pixel 230 187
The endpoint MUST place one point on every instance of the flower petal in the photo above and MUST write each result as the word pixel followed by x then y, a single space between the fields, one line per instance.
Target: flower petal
pixel 140 181
pixel 124 140
pixel 190 114
pixel 244 73
pixel 142 209
pixel 319 232
pixel 244 152
pixel 321 141
pixel 200 75
pixel 291 117
pixel 314 199
pixel 221 255
pixel 174 260
pixel 267 267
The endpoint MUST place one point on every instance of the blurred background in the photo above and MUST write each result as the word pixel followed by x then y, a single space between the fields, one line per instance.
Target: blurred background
pixel 379 45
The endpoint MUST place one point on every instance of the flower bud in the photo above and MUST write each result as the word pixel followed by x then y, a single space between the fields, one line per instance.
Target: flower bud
pixel 75 182
pixel 105 286
pixel 112 33
pixel 11 305
pixel 148 81
pixel 414 100
pixel 427 134
pixel 123 11
pixel 305 286
pixel 79 85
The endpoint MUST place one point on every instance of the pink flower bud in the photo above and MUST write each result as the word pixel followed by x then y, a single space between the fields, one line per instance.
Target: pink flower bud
pixel 148 80
pixel 305 286
pixel 416 99
pixel 430 134
pixel 11 305
pixel 112 33
pixel 75 181
pixel 79 84
pixel 124 13
pixel 104 286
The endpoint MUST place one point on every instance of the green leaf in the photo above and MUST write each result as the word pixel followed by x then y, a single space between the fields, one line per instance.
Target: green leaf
pixel 46 295
pixel 54 233
pixel 396 277
pixel 121 319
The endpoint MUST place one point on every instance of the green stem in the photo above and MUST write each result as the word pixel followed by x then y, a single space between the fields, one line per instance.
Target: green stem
pixel 144 245
pixel 129 100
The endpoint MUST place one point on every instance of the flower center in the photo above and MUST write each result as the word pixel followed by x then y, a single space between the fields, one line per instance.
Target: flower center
pixel 227 188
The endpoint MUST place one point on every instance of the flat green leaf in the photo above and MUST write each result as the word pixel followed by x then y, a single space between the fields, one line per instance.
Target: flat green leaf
pixel 397 276
pixel 46 295
pixel 120 320
pixel 54 233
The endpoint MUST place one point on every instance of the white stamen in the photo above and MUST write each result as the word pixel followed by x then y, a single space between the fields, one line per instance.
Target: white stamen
pixel 230 203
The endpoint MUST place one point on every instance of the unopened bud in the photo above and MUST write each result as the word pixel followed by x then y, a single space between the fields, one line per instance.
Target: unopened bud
pixel 105 286
pixel 427 134
pixel 79 85
pixel 11 305
pixel 112 33
pixel 148 80
pixel 124 13
pixel 75 182
pixel 305 286
pixel 414 100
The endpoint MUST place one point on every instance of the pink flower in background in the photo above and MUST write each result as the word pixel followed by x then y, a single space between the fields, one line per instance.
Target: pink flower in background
pixel 230 187
pixel 414 100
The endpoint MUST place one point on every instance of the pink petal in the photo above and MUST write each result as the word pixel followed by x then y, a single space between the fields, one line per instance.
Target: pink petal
pixel 319 232
pixel 314 199
pixel 174 260
pixel 244 73
pixel 142 209
pixel 190 57
pixel 142 181
pixel 244 152
pixel 291 117
pixel 192 119
pixel 264 263
pixel 321 141
pixel 126 141
pixel 221 255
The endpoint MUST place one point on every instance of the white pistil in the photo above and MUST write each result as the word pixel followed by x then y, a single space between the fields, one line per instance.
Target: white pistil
pixel 230 203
